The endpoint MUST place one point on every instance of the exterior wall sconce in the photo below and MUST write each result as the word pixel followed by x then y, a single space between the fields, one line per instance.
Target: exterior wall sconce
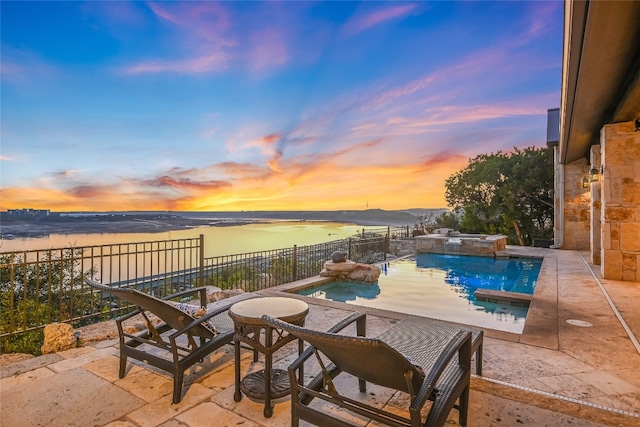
pixel 594 175
pixel 585 182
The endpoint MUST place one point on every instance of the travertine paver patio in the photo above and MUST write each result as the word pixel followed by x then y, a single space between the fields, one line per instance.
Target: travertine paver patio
pixel 554 374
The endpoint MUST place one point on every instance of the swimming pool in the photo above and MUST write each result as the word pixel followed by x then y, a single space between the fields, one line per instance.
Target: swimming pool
pixel 442 287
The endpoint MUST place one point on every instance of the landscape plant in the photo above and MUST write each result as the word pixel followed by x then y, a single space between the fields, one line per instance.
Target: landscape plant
pixel 505 193
pixel 34 293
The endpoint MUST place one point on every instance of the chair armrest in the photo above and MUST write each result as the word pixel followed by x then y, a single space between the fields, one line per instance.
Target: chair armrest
pixel 202 290
pixel 460 343
pixel 359 318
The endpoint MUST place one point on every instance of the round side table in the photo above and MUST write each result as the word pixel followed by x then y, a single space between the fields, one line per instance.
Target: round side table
pixel 267 384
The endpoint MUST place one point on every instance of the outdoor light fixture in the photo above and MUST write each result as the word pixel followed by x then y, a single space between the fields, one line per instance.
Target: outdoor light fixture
pixel 594 175
pixel 585 182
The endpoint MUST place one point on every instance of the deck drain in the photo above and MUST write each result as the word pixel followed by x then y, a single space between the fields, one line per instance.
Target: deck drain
pixel 580 323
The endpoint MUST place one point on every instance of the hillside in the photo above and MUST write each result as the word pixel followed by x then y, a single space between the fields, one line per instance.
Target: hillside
pixel 150 222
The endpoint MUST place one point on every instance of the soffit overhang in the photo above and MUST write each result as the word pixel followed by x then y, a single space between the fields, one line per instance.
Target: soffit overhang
pixel 600 72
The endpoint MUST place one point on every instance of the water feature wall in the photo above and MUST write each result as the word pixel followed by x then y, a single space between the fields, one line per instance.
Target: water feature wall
pixel 461 244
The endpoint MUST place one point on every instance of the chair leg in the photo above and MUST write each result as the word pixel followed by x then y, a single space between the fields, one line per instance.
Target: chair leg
pixel 177 386
pixel 123 365
pixel 463 407
pixel 295 420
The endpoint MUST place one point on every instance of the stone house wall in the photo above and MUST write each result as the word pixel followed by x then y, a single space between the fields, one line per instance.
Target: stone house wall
pixel 596 207
pixel 577 218
pixel 620 194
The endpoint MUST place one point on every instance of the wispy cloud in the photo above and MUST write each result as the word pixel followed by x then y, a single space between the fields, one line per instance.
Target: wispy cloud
pixel 268 49
pixel 24 67
pixel 376 17
pixel 212 40
pixel 203 64
pixel 201 29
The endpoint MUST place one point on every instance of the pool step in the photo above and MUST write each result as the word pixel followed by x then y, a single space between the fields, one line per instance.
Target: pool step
pixel 521 285
pixel 500 297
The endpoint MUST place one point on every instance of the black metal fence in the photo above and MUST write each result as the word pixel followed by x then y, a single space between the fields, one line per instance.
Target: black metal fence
pixel 43 286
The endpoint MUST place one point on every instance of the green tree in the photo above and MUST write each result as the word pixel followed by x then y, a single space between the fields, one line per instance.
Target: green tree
pixel 505 193
pixel 447 220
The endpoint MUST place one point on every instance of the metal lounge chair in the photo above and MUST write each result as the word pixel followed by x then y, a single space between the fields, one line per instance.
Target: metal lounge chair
pixel 424 368
pixel 170 345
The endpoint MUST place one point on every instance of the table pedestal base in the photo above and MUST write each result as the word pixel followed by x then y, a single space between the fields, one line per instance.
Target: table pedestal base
pixel 253 386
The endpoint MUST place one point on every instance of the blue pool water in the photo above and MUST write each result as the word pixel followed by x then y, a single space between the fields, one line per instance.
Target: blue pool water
pixel 442 287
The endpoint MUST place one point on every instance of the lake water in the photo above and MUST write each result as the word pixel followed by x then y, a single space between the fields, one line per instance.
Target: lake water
pixel 218 240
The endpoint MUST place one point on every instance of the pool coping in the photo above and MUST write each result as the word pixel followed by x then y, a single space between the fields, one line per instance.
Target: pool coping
pixel 541 325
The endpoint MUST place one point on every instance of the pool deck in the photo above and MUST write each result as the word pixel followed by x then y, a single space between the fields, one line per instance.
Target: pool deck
pixel 556 373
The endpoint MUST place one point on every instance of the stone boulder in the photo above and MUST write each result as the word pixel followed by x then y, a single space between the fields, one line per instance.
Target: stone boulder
pixel 351 270
pixel 339 256
pixel 58 337
pixel 216 294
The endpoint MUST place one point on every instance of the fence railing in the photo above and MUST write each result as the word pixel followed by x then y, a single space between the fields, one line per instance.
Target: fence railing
pixel 43 286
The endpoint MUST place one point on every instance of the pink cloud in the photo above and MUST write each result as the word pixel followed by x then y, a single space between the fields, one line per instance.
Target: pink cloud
pixel 22 66
pixel 267 144
pixel 541 15
pixel 362 23
pixel 203 64
pixel 206 20
pixel 10 70
pixel 116 13
pixel 89 191
pixel 201 30
pixel 168 181
pixel 268 49
pixel 69 173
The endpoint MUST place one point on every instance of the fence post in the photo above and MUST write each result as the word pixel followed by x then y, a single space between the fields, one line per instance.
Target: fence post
pixel 387 245
pixel 294 263
pixel 201 262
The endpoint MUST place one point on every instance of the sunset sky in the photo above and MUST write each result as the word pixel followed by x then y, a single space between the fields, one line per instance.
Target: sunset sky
pixel 289 105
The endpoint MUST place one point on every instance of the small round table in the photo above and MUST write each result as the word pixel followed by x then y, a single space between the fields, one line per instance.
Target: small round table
pixel 267 384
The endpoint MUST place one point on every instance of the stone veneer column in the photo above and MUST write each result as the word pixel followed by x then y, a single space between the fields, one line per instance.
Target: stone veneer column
pixel 620 202
pixel 576 206
pixel 595 207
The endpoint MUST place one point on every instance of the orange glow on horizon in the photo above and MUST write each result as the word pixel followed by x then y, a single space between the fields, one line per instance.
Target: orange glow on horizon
pixel 323 187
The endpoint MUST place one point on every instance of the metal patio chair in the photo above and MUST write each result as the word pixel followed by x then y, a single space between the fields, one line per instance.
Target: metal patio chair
pixel 176 343
pixel 426 366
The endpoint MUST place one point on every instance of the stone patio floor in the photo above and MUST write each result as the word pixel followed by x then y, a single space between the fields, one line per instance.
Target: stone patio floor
pixel 553 374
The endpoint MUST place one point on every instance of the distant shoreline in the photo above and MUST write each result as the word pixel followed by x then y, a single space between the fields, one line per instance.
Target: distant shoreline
pixel 12 226
pixel 90 225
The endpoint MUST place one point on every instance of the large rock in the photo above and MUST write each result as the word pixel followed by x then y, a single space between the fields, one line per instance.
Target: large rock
pixel 351 270
pixel 365 273
pixel 216 294
pixel 58 337
pixel 338 256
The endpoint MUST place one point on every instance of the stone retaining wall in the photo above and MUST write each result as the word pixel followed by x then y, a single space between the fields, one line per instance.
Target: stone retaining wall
pixel 477 245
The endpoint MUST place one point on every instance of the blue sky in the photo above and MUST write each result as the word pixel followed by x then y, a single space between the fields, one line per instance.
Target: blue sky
pixel 288 105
